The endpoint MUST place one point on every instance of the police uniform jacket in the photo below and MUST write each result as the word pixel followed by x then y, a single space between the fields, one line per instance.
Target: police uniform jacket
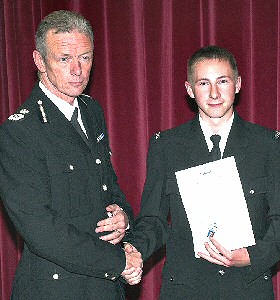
pixel 256 152
pixel 55 187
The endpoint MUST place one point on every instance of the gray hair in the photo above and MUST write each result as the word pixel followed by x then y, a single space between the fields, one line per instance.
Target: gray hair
pixel 61 21
pixel 211 52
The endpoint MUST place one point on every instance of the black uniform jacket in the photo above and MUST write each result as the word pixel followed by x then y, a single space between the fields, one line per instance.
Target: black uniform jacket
pixel 55 187
pixel 256 151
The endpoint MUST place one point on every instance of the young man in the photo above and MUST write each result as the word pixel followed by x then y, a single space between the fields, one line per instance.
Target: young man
pixel 56 178
pixel 245 273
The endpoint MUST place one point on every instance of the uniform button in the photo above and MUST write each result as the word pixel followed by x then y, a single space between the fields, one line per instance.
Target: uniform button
pixel 221 272
pixel 55 276
pixel 252 192
pixel 106 275
pixel 98 161
pixel 104 186
pixel 71 167
pixel 113 278
pixel 265 277
pixel 171 278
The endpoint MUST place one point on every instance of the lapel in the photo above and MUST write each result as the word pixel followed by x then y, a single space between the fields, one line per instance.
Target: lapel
pixel 89 121
pixel 198 150
pixel 238 140
pixel 56 123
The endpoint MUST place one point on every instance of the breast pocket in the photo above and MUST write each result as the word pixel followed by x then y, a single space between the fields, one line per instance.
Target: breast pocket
pixel 255 187
pixel 256 194
pixel 71 186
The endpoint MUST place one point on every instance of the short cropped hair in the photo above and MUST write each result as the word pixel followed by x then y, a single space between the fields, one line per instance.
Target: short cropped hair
pixel 211 52
pixel 61 21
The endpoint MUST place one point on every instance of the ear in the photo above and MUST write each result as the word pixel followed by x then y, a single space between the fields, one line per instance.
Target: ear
pixel 39 61
pixel 189 89
pixel 238 85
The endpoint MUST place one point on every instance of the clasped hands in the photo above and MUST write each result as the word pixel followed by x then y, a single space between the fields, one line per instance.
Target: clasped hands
pixel 221 256
pixel 117 223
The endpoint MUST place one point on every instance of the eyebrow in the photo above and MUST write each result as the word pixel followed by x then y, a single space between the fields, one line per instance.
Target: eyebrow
pixel 67 54
pixel 220 77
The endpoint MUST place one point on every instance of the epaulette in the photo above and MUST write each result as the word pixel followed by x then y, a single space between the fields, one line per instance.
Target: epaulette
pixel 19 116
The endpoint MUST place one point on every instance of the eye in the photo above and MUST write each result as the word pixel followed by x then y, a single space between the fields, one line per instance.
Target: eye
pixel 64 59
pixel 203 83
pixel 223 81
pixel 85 58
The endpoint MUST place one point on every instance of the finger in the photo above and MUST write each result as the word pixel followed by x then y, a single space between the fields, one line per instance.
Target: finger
pixel 128 271
pixel 221 254
pixel 112 207
pixel 105 222
pixel 114 237
pixel 111 227
pixel 132 274
pixel 129 248
pixel 211 259
pixel 219 247
pixel 103 228
pixel 135 279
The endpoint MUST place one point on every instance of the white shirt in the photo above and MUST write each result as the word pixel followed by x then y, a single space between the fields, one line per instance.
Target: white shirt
pixel 66 108
pixel 224 132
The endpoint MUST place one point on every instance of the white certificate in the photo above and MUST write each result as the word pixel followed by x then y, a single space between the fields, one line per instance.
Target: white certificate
pixel 214 203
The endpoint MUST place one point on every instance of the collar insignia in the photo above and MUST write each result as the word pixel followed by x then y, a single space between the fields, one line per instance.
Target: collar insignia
pixel 157 135
pixel 100 137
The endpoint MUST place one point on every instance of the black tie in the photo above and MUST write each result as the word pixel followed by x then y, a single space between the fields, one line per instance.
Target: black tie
pixel 215 152
pixel 76 125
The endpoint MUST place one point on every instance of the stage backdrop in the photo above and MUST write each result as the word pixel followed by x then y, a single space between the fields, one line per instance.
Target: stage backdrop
pixel 141 50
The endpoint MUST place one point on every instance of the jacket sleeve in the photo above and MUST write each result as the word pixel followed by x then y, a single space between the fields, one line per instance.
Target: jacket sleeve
pixel 27 194
pixel 151 225
pixel 266 252
pixel 118 196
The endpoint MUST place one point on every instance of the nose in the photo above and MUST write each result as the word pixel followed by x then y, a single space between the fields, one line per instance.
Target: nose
pixel 75 68
pixel 214 93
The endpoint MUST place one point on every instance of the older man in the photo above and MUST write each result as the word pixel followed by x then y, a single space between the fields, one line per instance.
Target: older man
pixel 56 177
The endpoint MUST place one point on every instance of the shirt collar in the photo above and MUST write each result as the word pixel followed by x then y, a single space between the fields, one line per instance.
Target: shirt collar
pixel 66 108
pixel 224 133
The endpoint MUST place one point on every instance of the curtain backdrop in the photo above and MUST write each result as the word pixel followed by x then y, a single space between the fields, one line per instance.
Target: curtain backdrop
pixel 141 50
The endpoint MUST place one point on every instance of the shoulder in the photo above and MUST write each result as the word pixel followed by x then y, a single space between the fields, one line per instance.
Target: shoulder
pixel 27 117
pixel 92 104
pixel 22 117
pixel 260 132
pixel 172 134
pixel 177 131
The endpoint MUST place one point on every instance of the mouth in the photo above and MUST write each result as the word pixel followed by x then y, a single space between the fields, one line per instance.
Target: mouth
pixel 76 84
pixel 215 105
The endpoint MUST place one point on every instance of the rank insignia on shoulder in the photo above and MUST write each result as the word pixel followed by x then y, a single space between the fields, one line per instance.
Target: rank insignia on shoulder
pixel 277 134
pixel 19 116
pixel 157 135
pixel 16 117
pixel 24 111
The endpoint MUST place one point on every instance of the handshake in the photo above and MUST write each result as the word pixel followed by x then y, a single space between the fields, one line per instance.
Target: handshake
pixel 134 264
